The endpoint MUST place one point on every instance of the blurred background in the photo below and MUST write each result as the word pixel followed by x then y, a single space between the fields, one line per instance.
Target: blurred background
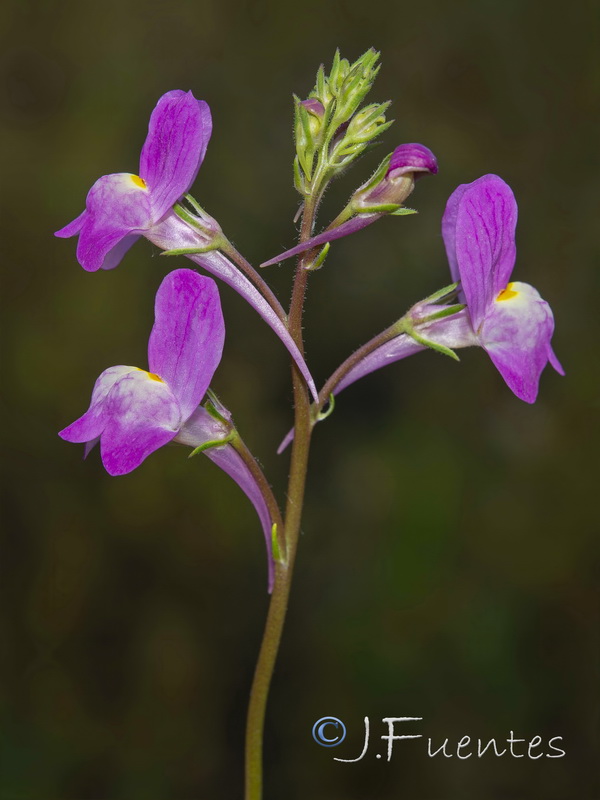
pixel 449 564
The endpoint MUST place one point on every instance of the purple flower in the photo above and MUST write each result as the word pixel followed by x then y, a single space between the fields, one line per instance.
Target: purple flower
pixel 390 186
pixel 133 412
pixel 509 319
pixel 122 207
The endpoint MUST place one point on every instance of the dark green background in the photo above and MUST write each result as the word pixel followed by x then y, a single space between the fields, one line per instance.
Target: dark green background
pixel 449 564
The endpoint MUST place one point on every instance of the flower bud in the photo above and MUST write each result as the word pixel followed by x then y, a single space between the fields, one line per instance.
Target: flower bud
pixel 395 179
pixel 316 113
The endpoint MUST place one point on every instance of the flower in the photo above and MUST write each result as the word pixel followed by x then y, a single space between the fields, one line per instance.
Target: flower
pixel 122 207
pixel 508 319
pixel 133 412
pixel 389 187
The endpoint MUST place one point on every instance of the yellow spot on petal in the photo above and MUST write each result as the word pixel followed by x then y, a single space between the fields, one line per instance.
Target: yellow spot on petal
pixel 138 181
pixel 152 375
pixel 508 293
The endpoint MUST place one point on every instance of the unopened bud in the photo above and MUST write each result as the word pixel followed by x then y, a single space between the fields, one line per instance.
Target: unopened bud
pixel 395 179
pixel 316 113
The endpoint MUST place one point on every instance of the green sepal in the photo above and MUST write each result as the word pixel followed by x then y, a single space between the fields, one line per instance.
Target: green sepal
pixel 298 177
pixel 195 204
pixel 446 351
pixel 305 144
pixel 211 406
pixel 188 251
pixel 213 443
pixel 445 312
pixel 384 208
pixel 185 215
pixel 377 176
pixel 335 66
pixel 403 212
pixel 318 262
pixel 442 294
pixel 320 85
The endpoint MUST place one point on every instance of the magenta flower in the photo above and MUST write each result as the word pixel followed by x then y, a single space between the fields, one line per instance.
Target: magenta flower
pixel 508 319
pixel 391 185
pixel 133 412
pixel 122 207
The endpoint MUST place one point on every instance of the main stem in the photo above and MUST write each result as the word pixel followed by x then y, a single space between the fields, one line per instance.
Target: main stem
pixel 293 516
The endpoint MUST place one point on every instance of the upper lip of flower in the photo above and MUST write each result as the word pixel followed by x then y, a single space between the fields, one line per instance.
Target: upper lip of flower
pixel 123 205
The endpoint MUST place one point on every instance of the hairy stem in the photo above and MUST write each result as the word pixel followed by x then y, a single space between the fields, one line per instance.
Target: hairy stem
pixel 293 517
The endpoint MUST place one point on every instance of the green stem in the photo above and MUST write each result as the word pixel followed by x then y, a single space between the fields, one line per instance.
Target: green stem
pixel 293 516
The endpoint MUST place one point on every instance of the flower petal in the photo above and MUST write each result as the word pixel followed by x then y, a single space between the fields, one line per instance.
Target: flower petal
pixel 200 428
pixel 187 339
pixel 412 157
pixel 516 333
pixel 479 231
pixel 172 233
pixel 351 226
pixel 73 228
pixel 449 229
pixel 232 463
pixel 178 135
pixel 116 206
pixel 115 255
pixel 141 414
pixel 88 427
